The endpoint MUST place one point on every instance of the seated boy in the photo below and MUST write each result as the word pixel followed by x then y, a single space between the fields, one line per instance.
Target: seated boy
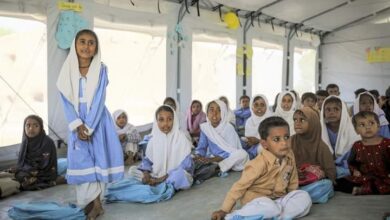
pixel 242 114
pixel 268 185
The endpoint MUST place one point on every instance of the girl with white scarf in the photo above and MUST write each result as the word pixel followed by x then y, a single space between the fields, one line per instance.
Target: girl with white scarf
pixel 366 102
pixel 128 136
pixel 219 138
pixel 259 111
pixel 168 154
pixel 338 132
pixel 94 153
pixel 285 108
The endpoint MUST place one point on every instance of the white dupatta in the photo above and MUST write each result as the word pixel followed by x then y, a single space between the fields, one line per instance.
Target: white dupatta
pixel 167 151
pixel 346 135
pixel 224 134
pixel 253 122
pixel 68 80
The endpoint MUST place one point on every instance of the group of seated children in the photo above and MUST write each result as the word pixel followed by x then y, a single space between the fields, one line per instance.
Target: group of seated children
pixel 281 176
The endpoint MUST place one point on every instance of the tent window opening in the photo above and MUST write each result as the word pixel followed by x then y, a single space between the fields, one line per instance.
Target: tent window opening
pixel 304 70
pixel 23 75
pixel 136 64
pixel 213 69
pixel 267 69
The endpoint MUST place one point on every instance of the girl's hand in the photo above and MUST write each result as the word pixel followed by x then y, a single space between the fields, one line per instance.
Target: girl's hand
pixel 357 173
pixel 82 132
pixel 252 141
pixel 122 138
pixel 218 215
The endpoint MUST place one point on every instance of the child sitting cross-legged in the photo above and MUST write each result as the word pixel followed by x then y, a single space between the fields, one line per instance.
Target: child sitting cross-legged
pixel 369 161
pixel 268 185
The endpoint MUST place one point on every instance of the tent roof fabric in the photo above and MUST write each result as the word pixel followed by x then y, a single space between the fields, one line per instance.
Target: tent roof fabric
pixel 318 16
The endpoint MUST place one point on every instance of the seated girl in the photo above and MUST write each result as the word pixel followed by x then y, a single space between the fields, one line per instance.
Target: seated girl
pixel 219 138
pixel 231 118
pixel 369 161
pixel 285 108
pixel 195 116
pixel 128 136
pixel 366 102
pixel 312 156
pixel 37 161
pixel 168 154
pixel 260 111
pixel 338 132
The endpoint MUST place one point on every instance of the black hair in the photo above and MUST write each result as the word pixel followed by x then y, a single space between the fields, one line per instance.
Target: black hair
pixel 164 108
pixel 295 94
pixel 271 122
pixel 332 85
pixel 375 93
pixel 170 99
pixel 333 100
pixel 244 97
pixel 257 98
pixel 358 91
pixel 208 105
pixel 364 114
pixel 196 101
pixel 276 102
pixel 307 95
pixel 91 32
pixel 223 99
pixel 322 93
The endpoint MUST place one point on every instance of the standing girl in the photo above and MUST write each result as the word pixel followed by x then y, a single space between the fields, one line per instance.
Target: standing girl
pixel 94 153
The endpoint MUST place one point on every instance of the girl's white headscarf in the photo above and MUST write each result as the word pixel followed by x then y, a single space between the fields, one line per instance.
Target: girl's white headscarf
pixel 378 111
pixel 224 134
pixel 253 122
pixel 128 128
pixel 286 115
pixel 167 151
pixel 346 135
pixel 68 80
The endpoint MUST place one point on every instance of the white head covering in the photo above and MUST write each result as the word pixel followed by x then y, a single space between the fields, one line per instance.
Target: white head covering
pixel 68 80
pixel 128 128
pixel 167 151
pixel 378 111
pixel 286 115
pixel 224 134
pixel 253 122
pixel 346 135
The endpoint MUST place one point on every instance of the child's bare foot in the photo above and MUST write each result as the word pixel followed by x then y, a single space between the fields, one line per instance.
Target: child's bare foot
pixel 356 190
pixel 88 208
pixel 97 209
pixel 60 180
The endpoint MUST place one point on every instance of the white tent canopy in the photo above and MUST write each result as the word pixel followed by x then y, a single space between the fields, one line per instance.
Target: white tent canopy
pixel 345 28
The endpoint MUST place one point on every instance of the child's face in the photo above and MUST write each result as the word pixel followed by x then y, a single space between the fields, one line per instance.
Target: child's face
pixel 195 108
pixel 309 102
pixel 165 121
pixel 277 142
pixel 32 128
pixel 244 103
pixel 333 91
pixel 86 46
pixel 366 103
pixel 301 124
pixel 320 100
pixel 367 127
pixel 332 112
pixel 287 102
pixel 214 114
pixel 259 107
pixel 121 121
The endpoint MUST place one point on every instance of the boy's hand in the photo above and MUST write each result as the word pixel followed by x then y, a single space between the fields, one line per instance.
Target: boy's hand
pixel 82 132
pixel 218 215
pixel 122 138
pixel 356 173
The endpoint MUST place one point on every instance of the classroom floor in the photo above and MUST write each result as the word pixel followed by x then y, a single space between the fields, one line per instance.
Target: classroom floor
pixel 200 201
